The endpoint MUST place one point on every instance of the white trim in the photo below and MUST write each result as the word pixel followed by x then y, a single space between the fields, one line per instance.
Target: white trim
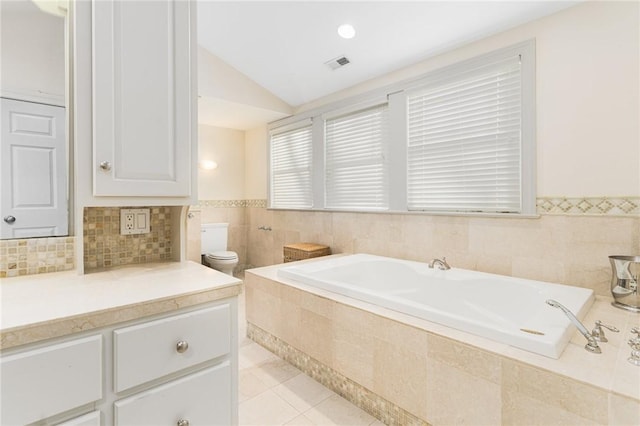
pixel 275 129
pixel 34 96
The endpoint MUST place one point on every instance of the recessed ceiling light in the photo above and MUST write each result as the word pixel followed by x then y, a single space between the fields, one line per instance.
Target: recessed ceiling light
pixel 346 31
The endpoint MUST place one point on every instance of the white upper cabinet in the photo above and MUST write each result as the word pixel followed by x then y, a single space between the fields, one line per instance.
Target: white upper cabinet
pixel 144 91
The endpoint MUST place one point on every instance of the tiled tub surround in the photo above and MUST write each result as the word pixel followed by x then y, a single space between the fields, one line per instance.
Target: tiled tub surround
pixel 41 307
pixel 566 248
pixel 104 247
pixel 36 256
pixel 438 374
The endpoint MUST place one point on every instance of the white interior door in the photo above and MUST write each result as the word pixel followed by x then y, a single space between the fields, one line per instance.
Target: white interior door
pixel 33 168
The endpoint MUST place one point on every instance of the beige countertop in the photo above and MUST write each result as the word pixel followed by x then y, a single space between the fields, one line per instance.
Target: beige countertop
pixel 38 307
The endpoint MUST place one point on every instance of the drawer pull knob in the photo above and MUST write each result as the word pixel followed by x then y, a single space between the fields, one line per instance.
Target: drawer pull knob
pixel 183 422
pixel 182 347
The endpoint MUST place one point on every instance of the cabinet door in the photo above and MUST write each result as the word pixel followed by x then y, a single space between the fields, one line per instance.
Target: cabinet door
pixel 202 398
pixel 40 383
pixel 143 97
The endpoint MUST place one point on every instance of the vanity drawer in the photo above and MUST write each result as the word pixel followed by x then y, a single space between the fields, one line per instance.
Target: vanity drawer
pixel 91 419
pixel 39 383
pixel 203 398
pixel 154 349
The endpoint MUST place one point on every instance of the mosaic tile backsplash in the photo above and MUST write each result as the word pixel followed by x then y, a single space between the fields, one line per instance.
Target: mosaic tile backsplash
pixel 36 256
pixel 104 247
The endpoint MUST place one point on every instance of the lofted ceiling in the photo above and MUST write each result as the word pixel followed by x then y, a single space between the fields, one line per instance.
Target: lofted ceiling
pixel 283 45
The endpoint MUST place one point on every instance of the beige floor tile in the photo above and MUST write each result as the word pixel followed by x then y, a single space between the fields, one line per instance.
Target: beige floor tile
pixel 302 392
pixel 336 410
pixel 274 372
pixel 249 386
pixel 301 420
pixel 266 409
pixel 253 355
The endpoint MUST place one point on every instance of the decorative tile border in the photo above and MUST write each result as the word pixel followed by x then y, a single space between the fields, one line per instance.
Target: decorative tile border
pixel 620 206
pixel 232 203
pixel 257 203
pixel 32 256
pixel 609 206
pixel 380 408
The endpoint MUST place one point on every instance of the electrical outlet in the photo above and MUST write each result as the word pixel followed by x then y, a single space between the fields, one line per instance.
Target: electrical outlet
pixel 134 221
pixel 129 221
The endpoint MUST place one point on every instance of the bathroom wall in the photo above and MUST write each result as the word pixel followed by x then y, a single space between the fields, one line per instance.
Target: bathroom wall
pixel 567 249
pixel 26 29
pixel 226 148
pixel 587 90
pixel 588 166
pixel 221 191
pixel 256 163
pixel 588 194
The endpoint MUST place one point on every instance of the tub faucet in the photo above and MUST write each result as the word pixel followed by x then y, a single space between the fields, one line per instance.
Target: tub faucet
pixel 442 264
pixel 592 344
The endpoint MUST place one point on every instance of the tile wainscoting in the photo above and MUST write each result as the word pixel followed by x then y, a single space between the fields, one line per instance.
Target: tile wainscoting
pixel 567 245
pixel 570 227
pixel 32 256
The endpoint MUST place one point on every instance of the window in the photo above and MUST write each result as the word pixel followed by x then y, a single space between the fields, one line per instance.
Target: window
pixel 464 141
pixel 460 139
pixel 356 175
pixel 291 159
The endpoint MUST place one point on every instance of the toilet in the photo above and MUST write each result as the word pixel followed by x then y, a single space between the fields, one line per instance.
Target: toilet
pixel 213 247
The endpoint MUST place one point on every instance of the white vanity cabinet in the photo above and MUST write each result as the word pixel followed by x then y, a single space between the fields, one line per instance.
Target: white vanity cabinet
pixel 176 368
pixel 144 98
pixel 179 369
pixel 42 382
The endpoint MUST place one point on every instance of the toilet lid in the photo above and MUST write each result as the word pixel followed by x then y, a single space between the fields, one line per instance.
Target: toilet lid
pixel 223 255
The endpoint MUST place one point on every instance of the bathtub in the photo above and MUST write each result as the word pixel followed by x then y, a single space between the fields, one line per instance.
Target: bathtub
pixel 508 310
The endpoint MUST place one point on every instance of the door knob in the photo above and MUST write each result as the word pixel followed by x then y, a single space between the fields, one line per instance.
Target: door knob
pixel 105 166
pixel 9 219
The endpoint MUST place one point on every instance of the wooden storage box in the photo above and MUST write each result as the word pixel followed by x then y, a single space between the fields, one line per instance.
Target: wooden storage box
pixel 301 251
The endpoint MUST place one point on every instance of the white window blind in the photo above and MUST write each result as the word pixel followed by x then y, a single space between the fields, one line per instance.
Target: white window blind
pixel 291 157
pixel 464 141
pixel 356 170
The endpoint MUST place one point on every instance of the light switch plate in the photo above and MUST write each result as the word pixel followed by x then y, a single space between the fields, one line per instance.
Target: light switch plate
pixel 134 221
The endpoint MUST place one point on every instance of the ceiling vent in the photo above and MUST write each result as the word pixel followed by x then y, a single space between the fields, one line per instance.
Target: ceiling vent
pixel 338 62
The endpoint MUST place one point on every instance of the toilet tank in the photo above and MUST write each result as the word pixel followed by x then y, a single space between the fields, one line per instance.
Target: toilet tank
pixel 213 237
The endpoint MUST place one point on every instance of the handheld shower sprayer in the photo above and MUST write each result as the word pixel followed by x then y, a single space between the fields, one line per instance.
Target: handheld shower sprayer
pixel 592 344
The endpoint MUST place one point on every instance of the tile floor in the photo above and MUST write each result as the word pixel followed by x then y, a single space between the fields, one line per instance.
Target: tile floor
pixel 273 392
